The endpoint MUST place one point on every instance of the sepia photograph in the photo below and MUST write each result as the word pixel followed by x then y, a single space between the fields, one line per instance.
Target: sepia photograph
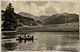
pixel 40 26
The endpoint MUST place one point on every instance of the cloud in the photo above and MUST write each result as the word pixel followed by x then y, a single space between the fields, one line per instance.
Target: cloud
pixel 43 8
pixel 60 7
pixel 38 3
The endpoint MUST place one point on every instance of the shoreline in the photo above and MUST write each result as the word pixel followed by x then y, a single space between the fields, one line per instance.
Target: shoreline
pixel 8 31
pixel 42 31
pixel 47 28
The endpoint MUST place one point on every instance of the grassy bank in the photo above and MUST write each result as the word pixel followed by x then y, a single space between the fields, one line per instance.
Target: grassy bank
pixel 51 28
pixel 8 31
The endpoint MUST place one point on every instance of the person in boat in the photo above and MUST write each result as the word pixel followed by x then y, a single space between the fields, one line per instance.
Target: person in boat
pixel 19 38
pixel 25 38
pixel 28 37
pixel 32 37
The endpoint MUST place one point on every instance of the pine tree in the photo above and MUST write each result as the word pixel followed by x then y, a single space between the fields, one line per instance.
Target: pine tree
pixel 10 18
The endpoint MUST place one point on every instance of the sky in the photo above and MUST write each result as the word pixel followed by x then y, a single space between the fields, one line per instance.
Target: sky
pixel 39 8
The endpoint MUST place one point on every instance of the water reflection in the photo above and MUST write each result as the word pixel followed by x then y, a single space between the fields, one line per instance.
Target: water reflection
pixel 9 46
pixel 8 35
pixel 65 41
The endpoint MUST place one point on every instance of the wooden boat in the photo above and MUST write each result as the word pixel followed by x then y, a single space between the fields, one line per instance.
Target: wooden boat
pixel 31 38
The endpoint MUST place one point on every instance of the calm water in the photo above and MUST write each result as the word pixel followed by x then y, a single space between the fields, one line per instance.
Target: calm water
pixel 64 41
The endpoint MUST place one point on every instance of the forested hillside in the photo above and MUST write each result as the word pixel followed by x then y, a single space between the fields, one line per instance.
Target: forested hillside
pixel 61 18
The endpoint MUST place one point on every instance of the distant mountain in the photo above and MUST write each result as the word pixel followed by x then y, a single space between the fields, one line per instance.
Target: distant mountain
pixel 42 18
pixel 61 18
pixel 27 15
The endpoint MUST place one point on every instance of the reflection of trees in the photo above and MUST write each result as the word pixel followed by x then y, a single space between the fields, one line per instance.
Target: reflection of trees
pixel 9 46
pixel 9 34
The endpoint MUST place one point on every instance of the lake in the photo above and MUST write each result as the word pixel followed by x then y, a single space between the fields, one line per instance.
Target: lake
pixel 61 41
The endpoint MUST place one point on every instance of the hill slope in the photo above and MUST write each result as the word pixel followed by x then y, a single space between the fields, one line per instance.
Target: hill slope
pixel 27 15
pixel 42 18
pixel 61 18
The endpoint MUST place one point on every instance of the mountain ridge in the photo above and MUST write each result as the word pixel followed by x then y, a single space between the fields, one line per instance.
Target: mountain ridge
pixel 61 18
